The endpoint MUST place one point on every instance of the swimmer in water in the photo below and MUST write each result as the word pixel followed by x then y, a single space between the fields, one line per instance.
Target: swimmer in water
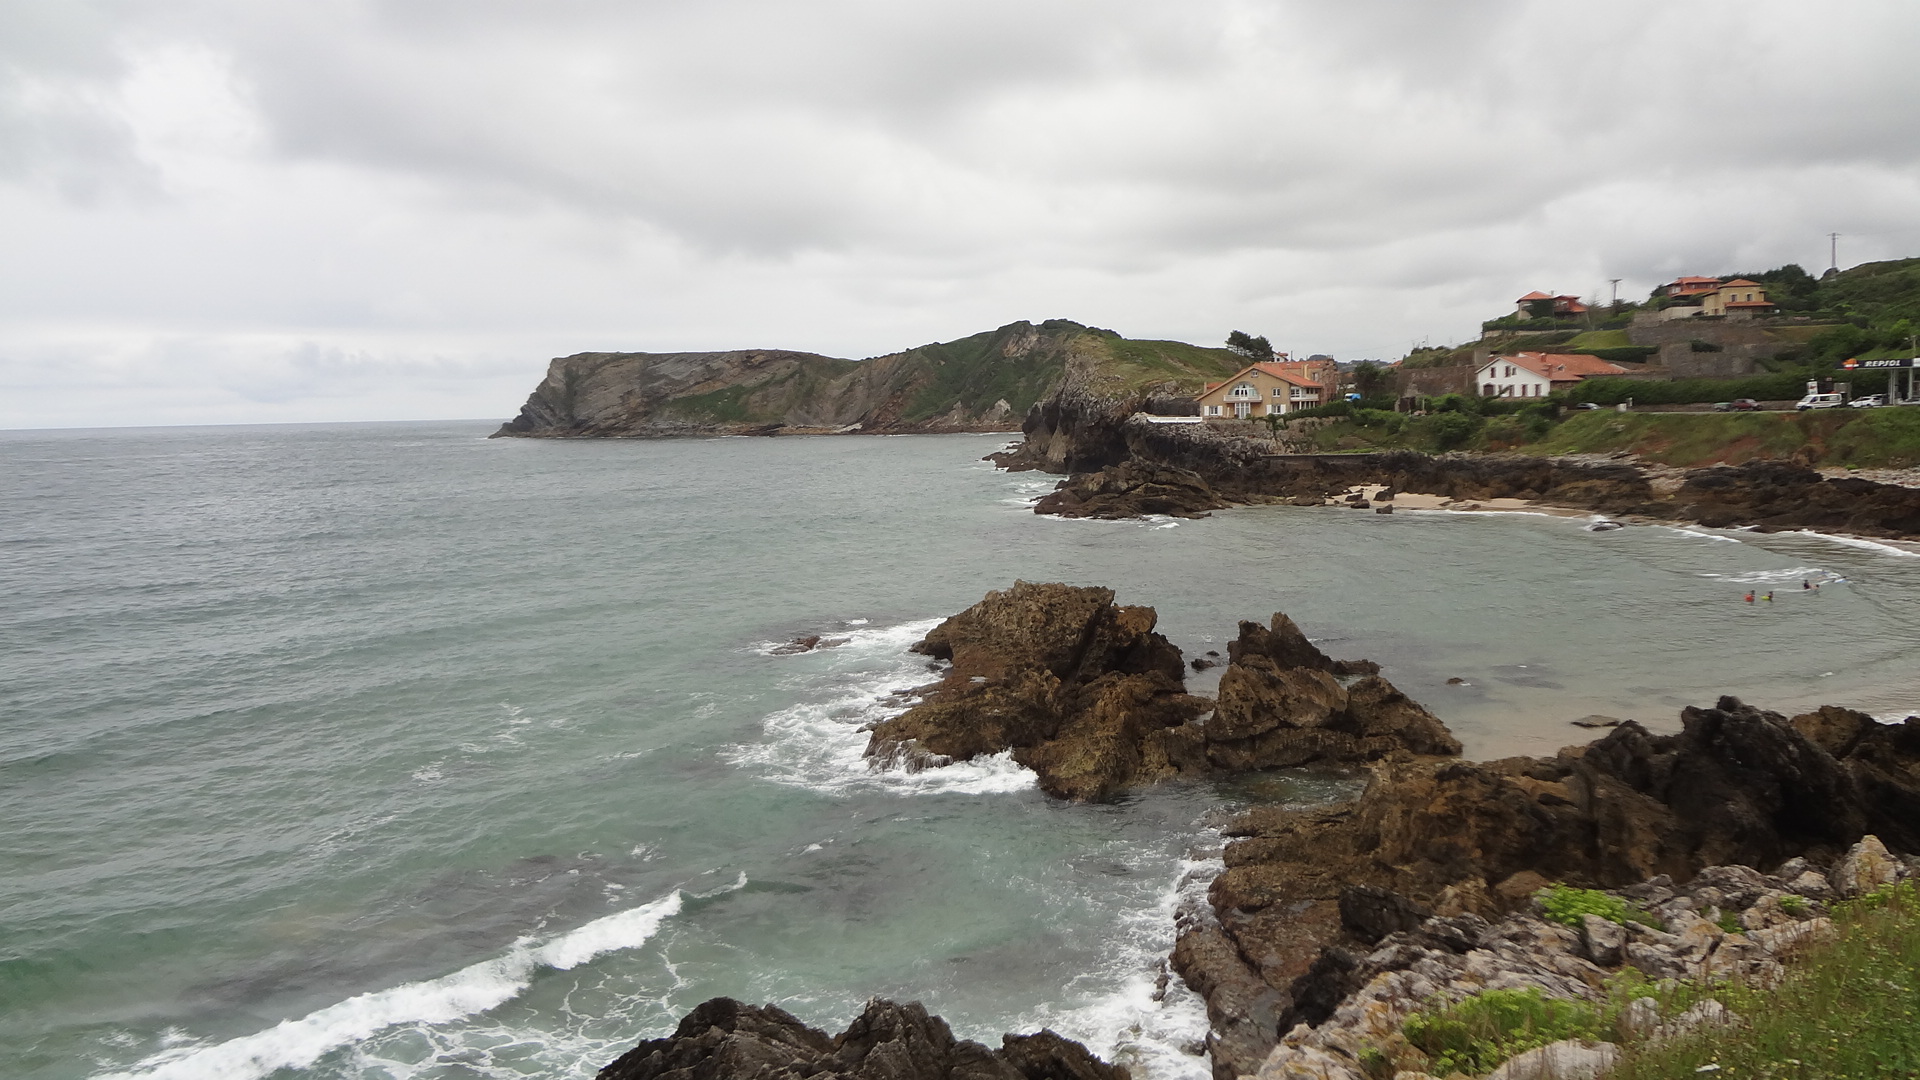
pixel 1805 584
pixel 1769 597
pixel 1749 596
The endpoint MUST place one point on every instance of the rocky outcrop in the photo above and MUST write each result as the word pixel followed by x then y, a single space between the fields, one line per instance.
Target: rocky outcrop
pixel 723 1039
pixel 1305 890
pixel 1074 685
pixel 1089 697
pixel 1186 470
pixel 1727 922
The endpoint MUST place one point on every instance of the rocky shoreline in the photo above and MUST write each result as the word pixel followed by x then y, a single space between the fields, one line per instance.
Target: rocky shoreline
pixel 1330 925
pixel 1187 470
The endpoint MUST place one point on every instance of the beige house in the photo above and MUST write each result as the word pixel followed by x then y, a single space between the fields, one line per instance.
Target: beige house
pixel 1736 296
pixel 1270 389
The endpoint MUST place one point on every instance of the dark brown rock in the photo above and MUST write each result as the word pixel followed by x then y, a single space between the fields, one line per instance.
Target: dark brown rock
pixel 1090 698
pixel 1737 786
pixel 723 1039
pixel 1074 685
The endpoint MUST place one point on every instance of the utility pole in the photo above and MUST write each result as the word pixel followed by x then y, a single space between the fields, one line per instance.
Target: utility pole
pixel 1615 282
pixel 1833 251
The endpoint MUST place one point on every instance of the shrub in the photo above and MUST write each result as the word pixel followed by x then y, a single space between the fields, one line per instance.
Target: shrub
pixel 1565 904
pixel 1452 430
pixel 1479 1032
pixel 1793 905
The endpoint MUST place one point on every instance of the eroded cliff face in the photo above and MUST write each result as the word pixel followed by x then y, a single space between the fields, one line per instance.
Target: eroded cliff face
pixel 986 382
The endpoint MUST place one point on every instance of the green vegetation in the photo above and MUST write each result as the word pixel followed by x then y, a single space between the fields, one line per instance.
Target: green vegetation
pixel 1134 365
pixel 1786 386
pixel 1253 348
pixel 724 406
pixel 1600 339
pixel 1847 1010
pixel 1476 1034
pixel 976 372
pixel 1568 905
pixel 1859 437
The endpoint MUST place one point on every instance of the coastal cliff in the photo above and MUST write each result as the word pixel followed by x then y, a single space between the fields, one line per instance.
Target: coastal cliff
pixel 985 382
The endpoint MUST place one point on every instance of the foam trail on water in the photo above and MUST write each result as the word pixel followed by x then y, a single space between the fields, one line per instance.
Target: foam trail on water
pixel 295 1044
pixel 1859 542
pixel 1792 574
pixel 820 744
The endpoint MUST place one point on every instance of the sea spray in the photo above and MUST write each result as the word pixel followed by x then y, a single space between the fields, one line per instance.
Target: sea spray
pixel 475 989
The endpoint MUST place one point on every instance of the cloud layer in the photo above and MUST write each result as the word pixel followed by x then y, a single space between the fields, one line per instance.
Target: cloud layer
pixel 219 210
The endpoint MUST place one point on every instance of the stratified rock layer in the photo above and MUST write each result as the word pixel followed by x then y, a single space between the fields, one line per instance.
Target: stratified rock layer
pixel 724 1039
pixel 1304 888
pixel 1089 697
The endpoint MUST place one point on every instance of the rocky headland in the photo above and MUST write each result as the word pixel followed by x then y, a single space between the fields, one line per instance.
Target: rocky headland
pixel 1330 925
pixel 986 382
pixel 1186 470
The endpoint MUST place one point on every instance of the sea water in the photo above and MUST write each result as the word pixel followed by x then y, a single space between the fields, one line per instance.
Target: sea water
pixel 392 751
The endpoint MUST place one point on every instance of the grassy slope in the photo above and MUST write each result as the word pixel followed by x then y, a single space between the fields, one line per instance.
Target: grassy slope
pixel 1863 437
pixel 977 371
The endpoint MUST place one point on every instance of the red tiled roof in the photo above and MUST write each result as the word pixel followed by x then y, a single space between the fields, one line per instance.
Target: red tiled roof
pixel 1534 295
pixel 1560 367
pixel 1739 281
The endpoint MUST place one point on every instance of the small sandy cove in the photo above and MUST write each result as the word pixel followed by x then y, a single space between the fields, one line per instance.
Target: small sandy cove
pixel 1411 500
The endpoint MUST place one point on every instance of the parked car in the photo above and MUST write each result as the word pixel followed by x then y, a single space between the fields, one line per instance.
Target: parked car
pixel 1745 404
pixel 1820 401
pixel 1871 401
pixel 1587 405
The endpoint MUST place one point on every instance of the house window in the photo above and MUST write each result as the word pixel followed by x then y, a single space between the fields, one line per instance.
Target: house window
pixel 1509 371
pixel 1277 391
pixel 1213 410
pixel 1490 390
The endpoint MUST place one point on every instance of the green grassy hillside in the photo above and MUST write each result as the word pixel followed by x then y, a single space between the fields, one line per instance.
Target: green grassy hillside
pixel 1860 437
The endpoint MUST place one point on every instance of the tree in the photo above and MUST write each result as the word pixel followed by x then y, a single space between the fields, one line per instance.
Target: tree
pixel 1257 348
pixel 1540 309
pixel 1371 379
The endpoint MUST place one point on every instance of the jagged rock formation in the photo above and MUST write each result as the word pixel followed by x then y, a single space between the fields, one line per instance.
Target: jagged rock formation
pixel 986 382
pixel 1187 470
pixel 1092 700
pixel 1446 958
pixel 1304 889
pixel 723 1039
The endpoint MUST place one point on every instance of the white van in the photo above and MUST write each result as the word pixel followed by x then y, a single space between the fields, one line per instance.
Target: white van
pixel 1821 401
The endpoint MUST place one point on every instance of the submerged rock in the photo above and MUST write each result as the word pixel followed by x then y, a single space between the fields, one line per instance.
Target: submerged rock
pixel 723 1039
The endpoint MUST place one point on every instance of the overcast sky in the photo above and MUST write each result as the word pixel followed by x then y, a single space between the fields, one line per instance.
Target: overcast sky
pixel 224 211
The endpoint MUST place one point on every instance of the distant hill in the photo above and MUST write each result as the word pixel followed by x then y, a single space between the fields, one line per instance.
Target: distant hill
pixel 989 381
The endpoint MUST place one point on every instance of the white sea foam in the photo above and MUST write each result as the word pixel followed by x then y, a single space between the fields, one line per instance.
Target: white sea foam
pixel 1792 574
pixel 1860 542
pixel 1696 533
pixel 819 744
pixel 295 1044
pixel 1153 1028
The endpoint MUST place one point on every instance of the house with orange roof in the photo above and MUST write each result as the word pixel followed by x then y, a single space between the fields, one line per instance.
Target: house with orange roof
pixel 1271 388
pixel 1535 375
pixel 1737 296
pixel 1527 307
pixel 1688 288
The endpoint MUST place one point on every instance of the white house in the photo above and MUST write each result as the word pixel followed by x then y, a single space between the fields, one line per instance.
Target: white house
pixel 1535 375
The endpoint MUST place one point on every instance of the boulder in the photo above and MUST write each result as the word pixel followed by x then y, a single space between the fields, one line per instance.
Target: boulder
pixel 1070 682
pixel 723 1039
pixel 1568 1059
pixel 1866 866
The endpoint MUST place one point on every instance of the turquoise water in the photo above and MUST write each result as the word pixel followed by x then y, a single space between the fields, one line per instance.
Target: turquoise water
pixel 391 751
